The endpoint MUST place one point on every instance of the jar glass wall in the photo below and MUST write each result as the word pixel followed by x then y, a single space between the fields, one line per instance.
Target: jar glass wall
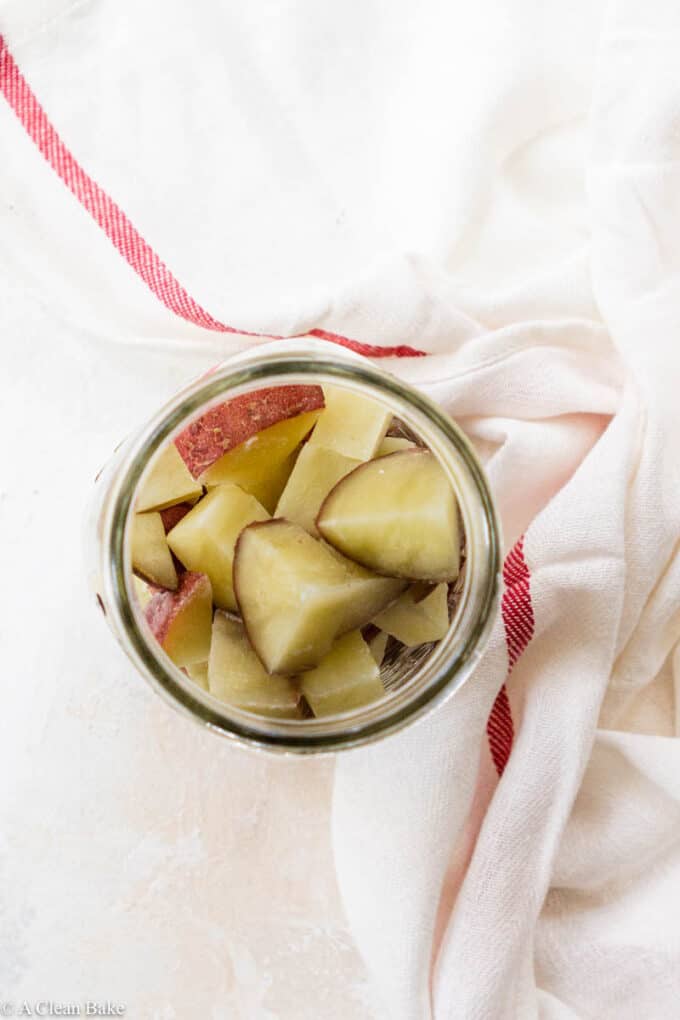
pixel 415 680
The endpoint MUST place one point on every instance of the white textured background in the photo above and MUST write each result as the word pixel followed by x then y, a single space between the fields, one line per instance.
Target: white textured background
pixel 398 172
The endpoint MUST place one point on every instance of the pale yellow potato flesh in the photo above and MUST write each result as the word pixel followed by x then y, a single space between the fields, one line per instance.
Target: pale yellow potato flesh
pixel 416 623
pixel 377 646
pixel 315 473
pixel 296 595
pixel 204 540
pixel 267 490
pixel 347 677
pixel 142 592
pixel 237 677
pixel 266 486
pixel 169 481
pixel 394 444
pixel 397 515
pixel 198 672
pixel 252 462
pixel 150 554
pixel 187 636
pixel 351 424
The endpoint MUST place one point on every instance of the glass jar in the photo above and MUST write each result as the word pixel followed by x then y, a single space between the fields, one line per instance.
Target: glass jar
pixel 416 679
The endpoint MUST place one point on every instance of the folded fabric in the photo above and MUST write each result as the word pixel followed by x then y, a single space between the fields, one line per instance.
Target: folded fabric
pixel 496 187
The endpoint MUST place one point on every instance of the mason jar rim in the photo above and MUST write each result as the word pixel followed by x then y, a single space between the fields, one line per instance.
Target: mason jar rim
pixel 451 661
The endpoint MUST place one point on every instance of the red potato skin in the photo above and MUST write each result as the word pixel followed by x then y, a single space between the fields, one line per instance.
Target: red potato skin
pixel 165 605
pixel 230 424
pixel 172 515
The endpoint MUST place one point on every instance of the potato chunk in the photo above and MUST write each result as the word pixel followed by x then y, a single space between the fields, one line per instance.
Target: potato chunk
pixel 151 557
pixel 237 677
pixel 347 677
pixel 394 444
pixel 204 540
pixel 253 463
pixel 316 472
pixel 351 424
pixel 397 515
pixel 377 646
pixel 416 622
pixel 168 482
pixel 181 620
pixel 296 596
pixel 222 428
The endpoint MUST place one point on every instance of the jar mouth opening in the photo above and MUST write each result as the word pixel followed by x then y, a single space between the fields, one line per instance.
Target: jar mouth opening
pixel 446 666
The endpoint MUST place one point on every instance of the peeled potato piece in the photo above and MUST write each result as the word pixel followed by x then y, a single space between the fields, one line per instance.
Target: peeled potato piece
pixel 416 622
pixel 394 444
pixel 377 646
pixel 267 490
pixel 265 486
pixel 149 550
pixel 351 424
pixel 315 473
pixel 396 515
pixel 204 540
pixel 198 671
pixel 347 677
pixel 181 620
pixel 296 596
pixel 237 677
pixel 168 482
pixel 142 591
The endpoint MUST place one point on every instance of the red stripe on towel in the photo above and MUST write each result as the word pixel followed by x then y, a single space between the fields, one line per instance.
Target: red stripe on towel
pixel 139 255
pixel 518 619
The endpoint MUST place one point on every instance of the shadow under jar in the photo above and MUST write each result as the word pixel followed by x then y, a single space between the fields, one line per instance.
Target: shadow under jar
pixel 414 679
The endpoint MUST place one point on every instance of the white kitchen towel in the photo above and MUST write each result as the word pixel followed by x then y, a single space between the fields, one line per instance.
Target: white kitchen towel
pixel 494 185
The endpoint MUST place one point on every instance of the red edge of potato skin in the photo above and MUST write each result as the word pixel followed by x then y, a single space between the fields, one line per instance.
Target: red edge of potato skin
pixel 417 451
pixel 172 515
pixel 165 605
pixel 230 424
